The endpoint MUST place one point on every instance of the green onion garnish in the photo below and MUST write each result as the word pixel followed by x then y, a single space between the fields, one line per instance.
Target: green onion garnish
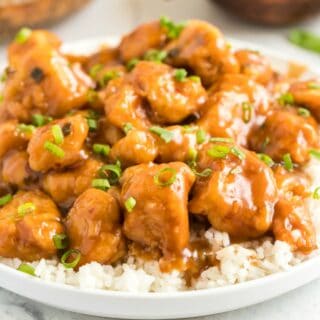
pixel 186 128
pixel 195 79
pixel 26 208
pixel 26 128
pixel 67 255
pixel 218 151
pixel 313 85
pixel 204 174
pixel 102 184
pixel 54 149
pixel 315 153
pixel 303 112
pixel 132 63
pixel 39 120
pixel 155 55
pixel 201 136
pixel 60 240
pixel 4 76
pixel 92 124
pixel 246 111
pixel 224 140
pixel 172 29
pixel 112 172
pixel 23 35
pixel 286 98
pixel 287 162
pixel 5 199
pixel 92 96
pixel 94 70
pixel 316 193
pixel 130 203
pixel 27 268
pixel 57 134
pixel 127 127
pixel 107 76
pixel 164 134
pixel 180 75
pixel 161 178
pixel 102 149
pixel 192 154
pixel 266 159
pixel 1 98
pixel 305 39
pixel 238 153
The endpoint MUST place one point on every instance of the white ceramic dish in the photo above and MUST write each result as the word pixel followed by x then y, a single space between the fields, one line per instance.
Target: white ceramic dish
pixel 161 305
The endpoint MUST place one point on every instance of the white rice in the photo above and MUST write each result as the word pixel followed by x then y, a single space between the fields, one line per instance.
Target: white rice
pixel 238 262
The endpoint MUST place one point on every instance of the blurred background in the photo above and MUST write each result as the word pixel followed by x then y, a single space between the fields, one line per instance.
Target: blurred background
pixel 265 22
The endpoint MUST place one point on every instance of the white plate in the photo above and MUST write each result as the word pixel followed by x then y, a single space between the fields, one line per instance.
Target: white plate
pixel 161 305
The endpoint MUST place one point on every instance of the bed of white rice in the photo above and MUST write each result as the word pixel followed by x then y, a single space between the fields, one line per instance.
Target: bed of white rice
pixel 238 262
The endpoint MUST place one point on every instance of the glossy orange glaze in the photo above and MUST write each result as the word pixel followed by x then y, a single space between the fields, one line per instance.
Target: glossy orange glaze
pixel 160 131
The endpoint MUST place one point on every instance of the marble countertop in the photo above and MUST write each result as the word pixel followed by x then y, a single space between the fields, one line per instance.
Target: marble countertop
pixel 104 17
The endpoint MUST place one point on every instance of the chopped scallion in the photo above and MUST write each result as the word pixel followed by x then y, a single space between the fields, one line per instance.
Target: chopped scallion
pixel 57 134
pixel 224 140
pixel 54 149
pixel 246 112
pixel 286 98
pixel 65 257
pixel 112 172
pixel 218 151
pixel 27 268
pixel 94 70
pixel 5 199
pixel 201 136
pixel 60 241
pixel 164 134
pixel 172 29
pixel 303 112
pixel 180 75
pixel 155 55
pixel 23 35
pixel 315 153
pixel 287 162
pixel 132 63
pixel 266 159
pixel 26 208
pixel 39 120
pixel 127 127
pixel 238 153
pixel 316 193
pixel 102 149
pixel 130 203
pixel 102 184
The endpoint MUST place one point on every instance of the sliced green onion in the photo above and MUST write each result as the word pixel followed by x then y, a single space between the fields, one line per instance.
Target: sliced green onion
pixel 5 199
pixel 315 153
pixel 65 257
pixel 238 153
pixel 94 70
pixel 130 203
pixel 1 98
pixel 316 193
pixel 155 55
pixel 39 120
pixel 102 184
pixel 60 241
pixel 224 140
pixel 112 172
pixel 192 154
pixel 164 134
pixel 201 136
pixel 127 127
pixel 286 98
pixel 132 63
pixel 287 162
pixel 195 79
pixel 172 29
pixel 4 76
pixel 266 159
pixel 186 128
pixel 246 112
pixel 26 128
pixel 54 149
pixel 204 173
pixel 161 180
pixel 107 76
pixel 27 268
pixel 92 96
pixel 218 151
pixel 180 75
pixel 102 149
pixel 313 85
pixel 305 39
pixel 23 35
pixel 57 134
pixel 92 124
pixel 26 208
pixel 303 112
